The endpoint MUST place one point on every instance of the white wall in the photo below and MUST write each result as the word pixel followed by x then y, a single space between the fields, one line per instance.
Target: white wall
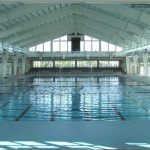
pixel 10 68
pixel 1 69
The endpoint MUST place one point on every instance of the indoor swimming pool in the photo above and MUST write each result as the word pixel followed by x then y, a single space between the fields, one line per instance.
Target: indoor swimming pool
pixel 74 99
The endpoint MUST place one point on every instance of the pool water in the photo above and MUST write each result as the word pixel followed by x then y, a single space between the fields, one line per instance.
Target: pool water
pixel 74 99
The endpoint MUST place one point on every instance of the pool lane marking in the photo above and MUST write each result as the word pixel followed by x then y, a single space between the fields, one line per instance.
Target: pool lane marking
pixel 4 104
pixel 119 114
pixel 23 113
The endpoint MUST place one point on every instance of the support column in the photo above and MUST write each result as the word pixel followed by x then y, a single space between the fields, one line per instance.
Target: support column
pixel 53 63
pixel 145 62
pixel 127 64
pixel 51 46
pixel 4 63
pixel 97 63
pixel 15 64
pixel 75 63
pixel 23 65
pixel 135 60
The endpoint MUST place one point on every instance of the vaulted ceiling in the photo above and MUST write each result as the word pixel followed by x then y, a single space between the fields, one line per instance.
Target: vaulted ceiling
pixel 25 25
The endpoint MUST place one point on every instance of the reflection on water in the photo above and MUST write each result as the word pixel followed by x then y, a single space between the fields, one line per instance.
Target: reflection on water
pixel 74 98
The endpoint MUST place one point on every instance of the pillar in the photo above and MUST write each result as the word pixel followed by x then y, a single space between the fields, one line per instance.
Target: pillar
pixel 15 64
pixel 127 64
pixel 145 62
pixel 135 61
pixel 76 64
pixel 4 63
pixel 23 65
pixel 97 63
pixel 53 63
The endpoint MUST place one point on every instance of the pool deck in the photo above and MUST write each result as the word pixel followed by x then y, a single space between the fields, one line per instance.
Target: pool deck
pixel 102 134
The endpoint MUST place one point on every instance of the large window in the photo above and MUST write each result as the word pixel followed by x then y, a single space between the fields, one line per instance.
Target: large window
pixel 72 63
pixel 108 64
pixel 61 44
pixel 49 64
pixel 148 69
pixel 88 46
pixel 56 46
pixel 47 46
pixel 81 45
pixel 141 69
pixel 86 64
pixel 104 46
pixel 42 64
pixel 87 43
pixel 69 46
pixel 95 45
pixel 64 64
pixel 112 47
pixel 32 49
pixel 39 48
pixel 118 48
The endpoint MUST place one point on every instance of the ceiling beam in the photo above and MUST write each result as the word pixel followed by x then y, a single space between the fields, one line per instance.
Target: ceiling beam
pixel 20 11
pixel 37 21
pixel 134 15
pixel 126 12
pixel 48 37
pixel 105 20
pixel 102 32
pixel 97 30
pixel 116 28
pixel 119 35
pixel 88 30
pixel 81 29
pixel 78 1
pixel 123 25
pixel 98 25
pixel 51 34
pixel 15 40
pixel 117 23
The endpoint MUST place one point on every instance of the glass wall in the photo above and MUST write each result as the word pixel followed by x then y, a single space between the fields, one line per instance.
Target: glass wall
pixel 93 44
pixel 104 46
pixel 44 47
pixel 56 45
pixel 141 69
pixel 108 64
pixel 73 63
pixel 86 64
pixel 39 47
pixel 61 44
pixel 64 64
pixel 32 49
pixel 42 64
pixel 47 46
pixel 149 69
pixel 88 44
